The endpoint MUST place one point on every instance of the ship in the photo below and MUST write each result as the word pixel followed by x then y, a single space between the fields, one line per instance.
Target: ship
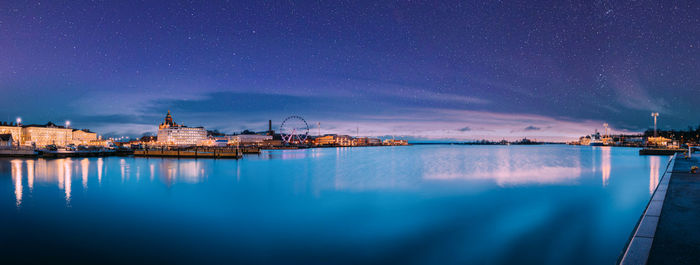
pixel 596 142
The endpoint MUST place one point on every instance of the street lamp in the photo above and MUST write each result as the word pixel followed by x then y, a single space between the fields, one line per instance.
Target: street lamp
pixel 19 121
pixel 67 124
pixel 655 115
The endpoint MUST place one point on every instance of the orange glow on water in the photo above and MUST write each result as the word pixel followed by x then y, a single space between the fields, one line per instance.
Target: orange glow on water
pixel 605 165
pixel 654 164
pixel 30 174
pixel 84 166
pixel 17 178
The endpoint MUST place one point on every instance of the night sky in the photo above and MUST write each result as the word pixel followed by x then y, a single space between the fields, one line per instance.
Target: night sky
pixel 420 70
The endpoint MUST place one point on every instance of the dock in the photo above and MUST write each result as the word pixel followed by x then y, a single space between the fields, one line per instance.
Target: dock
pixel 669 230
pixel 191 153
pixel 18 152
pixel 79 153
pixel 661 151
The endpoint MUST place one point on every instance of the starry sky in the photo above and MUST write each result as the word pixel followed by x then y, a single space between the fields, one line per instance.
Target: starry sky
pixel 550 70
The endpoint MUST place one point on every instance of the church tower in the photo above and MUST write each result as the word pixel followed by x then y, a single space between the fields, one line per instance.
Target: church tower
pixel 168 121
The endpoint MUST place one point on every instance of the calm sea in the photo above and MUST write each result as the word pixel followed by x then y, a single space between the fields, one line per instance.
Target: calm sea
pixel 437 204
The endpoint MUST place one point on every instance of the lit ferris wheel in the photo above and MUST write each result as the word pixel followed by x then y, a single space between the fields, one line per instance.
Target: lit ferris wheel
pixel 294 130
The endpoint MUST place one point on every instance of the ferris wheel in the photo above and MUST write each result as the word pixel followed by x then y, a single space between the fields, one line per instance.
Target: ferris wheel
pixel 294 130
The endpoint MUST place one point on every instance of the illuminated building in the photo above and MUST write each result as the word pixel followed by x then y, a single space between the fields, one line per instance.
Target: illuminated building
pixel 46 134
pixel 658 141
pixel 251 139
pixel 171 133
pixel 395 142
pixel 6 140
pixel 374 141
pixel 83 137
pixel 363 141
pixel 328 139
pixel 15 130
pixel 49 134
pixel 335 140
pixel 585 140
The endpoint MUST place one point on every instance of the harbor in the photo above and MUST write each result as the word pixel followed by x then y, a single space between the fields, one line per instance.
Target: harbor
pixel 335 200
pixel 173 139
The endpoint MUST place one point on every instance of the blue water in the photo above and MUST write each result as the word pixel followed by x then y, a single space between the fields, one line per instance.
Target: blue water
pixel 438 204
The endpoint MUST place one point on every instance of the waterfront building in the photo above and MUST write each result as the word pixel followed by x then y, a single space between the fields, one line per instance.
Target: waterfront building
pixel 222 141
pixel 399 142
pixel 48 134
pixel 334 140
pixel 345 140
pixel 15 130
pixel 328 139
pixel 364 141
pixel 41 135
pixel 101 143
pixel 361 141
pixel 6 140
pixel 658 141
pixel 374 141
pixel 171 133
pixel 251 139
pixel 83 137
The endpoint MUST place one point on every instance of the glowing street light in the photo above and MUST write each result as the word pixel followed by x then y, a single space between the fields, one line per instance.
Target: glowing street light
pixel 19 121
pixel 67 124
pixel 655 115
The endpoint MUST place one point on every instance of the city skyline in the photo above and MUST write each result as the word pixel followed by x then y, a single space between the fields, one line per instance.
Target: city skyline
pixel 428 71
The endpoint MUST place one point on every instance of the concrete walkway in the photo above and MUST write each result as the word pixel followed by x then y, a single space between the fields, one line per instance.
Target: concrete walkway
pixel 677 237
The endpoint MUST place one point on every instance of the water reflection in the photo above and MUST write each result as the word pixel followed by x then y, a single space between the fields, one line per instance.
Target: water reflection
pixel 182 171
pixel 605 164
pixel 100 164
pixel 152 168
pixel 17 179
pixel 338 169
pixel 67 179
pixel 30 174
pixel 124 168
pixel 654 164
pixel 84 164
pixel 504 167
pixel 61 173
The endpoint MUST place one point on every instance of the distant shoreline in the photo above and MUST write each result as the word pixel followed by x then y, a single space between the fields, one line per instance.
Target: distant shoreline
pixel 468 143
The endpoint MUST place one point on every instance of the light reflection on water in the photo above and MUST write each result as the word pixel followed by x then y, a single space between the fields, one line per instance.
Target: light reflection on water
pixel 61 172
pixel 490 200
pixel 605 164
pixel 504 167
pixel 654 165
pixel 500 165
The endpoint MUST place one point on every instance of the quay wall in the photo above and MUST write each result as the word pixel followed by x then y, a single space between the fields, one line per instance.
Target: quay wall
pixel 639 245
pixel 189 153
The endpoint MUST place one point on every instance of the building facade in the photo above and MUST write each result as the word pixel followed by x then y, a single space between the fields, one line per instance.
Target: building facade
pixel 171 133
pixel 83 137
pixel 251 139
pixel 6 140
pixel 14 130
pixel 49 134
pixel 335 140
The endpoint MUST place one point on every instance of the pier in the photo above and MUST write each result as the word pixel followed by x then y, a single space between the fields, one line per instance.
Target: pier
pixel 668 231
pixel 661 151
pixel 192 153
pixel 18 152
